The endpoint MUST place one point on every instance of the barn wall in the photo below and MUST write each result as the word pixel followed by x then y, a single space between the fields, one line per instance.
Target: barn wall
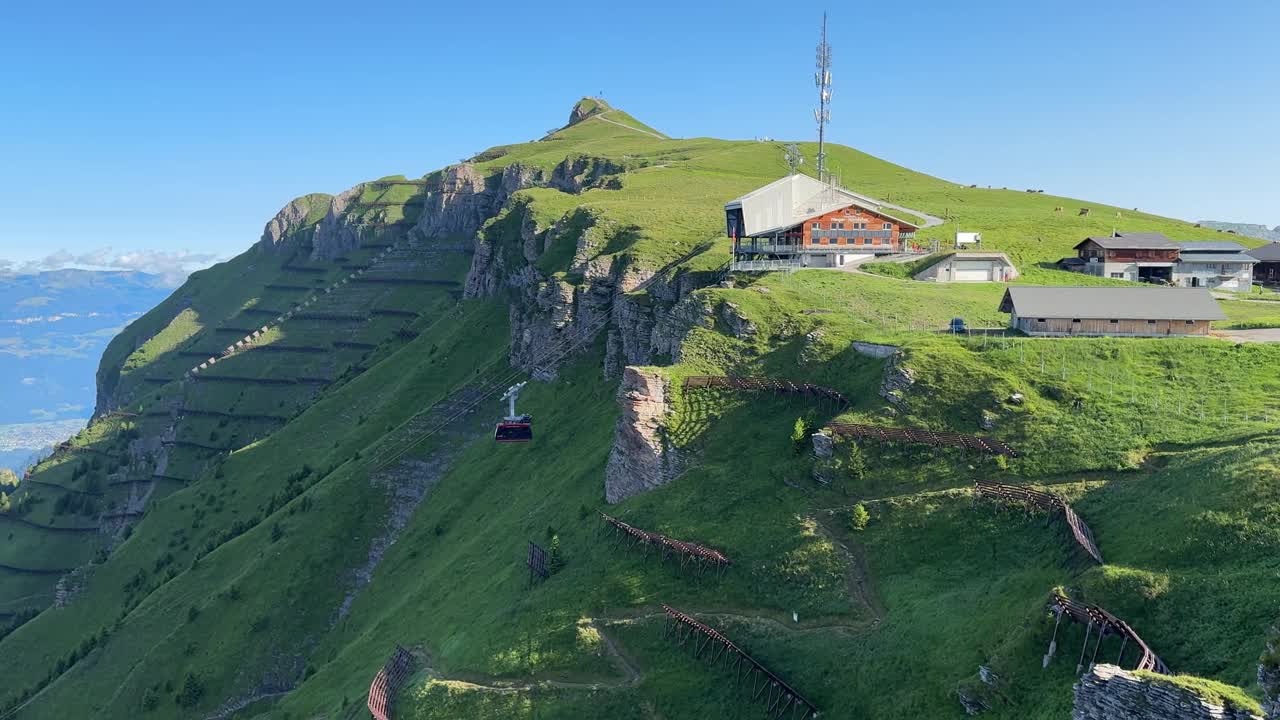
pixel 1064 326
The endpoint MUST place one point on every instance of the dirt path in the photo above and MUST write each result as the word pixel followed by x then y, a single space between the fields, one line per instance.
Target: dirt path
pixel 857 576
pixel 1261 335
pixel 601 116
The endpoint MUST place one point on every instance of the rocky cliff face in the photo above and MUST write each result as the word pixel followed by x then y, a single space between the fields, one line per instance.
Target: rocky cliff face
pixel 1269 676
pixel 1110 693
pixel 336 233
pixel 642 458
pixel 300 214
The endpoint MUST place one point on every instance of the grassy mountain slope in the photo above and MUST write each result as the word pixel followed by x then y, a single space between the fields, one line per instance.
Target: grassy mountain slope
pixel 262 580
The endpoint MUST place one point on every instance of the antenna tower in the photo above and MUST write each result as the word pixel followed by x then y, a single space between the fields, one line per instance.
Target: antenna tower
pixel 823 114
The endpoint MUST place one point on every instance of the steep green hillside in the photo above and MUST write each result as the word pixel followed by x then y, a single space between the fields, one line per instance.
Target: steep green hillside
pixel 254 539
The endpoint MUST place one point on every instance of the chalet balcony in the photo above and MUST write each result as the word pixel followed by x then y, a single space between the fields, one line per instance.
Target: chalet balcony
pixel 851 234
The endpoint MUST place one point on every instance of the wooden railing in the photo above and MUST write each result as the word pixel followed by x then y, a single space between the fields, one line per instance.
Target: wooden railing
pixel 702 557
pixel 764 384
pixel 782 700
pixel 386 684
pixel 936 438
pixel 1047 502
pixel 1092 617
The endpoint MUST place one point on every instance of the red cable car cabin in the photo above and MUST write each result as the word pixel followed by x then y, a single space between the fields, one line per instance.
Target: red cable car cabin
pixel 514 429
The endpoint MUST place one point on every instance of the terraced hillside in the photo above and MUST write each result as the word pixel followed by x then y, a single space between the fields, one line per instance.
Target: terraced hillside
pixel 254 536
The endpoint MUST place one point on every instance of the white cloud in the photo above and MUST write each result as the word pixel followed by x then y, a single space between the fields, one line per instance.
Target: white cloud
pixel 172 266
pixel 28 381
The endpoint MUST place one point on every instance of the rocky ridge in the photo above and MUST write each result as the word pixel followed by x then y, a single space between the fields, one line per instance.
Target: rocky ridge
pixel 1108 692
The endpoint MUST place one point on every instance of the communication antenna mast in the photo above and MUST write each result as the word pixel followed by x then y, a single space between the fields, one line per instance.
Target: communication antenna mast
pixel 794 158
pixel 823 114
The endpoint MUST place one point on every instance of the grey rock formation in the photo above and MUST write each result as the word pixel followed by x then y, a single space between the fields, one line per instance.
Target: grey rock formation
pixel 1269 676
pixel 290 220
pixel 641 458
pixel 898 379
pixel 738 324
pixel 824 445
pixel 585 108
pixel 1109 693
pixel 336 233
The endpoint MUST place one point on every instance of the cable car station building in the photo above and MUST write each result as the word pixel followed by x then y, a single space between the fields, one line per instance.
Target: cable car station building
pixel 800 222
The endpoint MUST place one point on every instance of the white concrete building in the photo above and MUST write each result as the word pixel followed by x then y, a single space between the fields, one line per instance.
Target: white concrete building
pixel 970 267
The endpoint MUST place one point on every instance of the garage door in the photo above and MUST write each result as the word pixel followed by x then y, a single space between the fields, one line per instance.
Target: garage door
pixel 972 271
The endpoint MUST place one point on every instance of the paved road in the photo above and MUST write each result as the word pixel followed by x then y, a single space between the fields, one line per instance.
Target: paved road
pixel 1262 335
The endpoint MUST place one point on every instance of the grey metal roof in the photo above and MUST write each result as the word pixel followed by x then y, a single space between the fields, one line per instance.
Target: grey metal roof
pixel 980 255
pixel 1210 246
pixel 1134 240
pixel 1218 258
pixel 1112 303
pixel 793 199
pixel 1267 253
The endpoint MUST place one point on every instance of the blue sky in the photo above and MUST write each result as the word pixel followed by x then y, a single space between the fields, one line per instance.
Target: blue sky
pixel 168 128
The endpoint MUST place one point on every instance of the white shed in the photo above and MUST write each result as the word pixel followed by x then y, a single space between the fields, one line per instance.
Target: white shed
pixel 970 267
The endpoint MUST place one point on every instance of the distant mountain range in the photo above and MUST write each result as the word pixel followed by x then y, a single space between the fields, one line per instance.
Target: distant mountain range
pixel 53 328
pixel 1261 232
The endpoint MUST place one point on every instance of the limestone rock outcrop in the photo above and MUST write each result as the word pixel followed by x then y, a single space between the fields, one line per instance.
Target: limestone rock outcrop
pixel 1109 693
pixel 337 233
pixel 1269 676
pixel 641 458
pixel 298 215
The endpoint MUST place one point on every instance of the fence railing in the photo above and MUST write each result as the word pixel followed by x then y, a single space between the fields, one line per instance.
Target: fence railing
pixel 936 438
pixel 386 684
pixel 782 700
pixel 1092 617
pixel 764 384
pixel 1047 502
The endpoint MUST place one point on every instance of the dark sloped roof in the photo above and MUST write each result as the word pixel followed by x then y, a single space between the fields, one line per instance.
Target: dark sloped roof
pixel 1133 240
pixel 1267 253
pixel 1112 303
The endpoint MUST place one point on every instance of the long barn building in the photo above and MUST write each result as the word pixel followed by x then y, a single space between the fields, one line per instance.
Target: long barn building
pixel 1116 311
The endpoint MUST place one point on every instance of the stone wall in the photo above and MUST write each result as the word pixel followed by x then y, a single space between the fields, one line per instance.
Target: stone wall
pixel 641 459
pixel 1109 693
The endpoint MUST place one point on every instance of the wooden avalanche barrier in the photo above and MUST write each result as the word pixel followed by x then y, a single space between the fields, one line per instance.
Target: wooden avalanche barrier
pixel 781 699
pixel 764 384
pixel 1092 616
pixel 701 557
pixel 386 684
pixel 936 438
pixel 1043 501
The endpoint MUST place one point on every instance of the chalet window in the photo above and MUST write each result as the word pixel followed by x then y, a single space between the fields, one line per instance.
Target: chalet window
pixel 1191 322
pixel 1041 320
pixel 1151 322
pixel 1075 321
pixel 817 226
pixel 1114 322
pixel 1117 275
pixel 887 226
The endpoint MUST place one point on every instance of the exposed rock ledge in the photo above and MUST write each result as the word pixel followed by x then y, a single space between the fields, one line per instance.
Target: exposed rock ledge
pixel 642 458
pixel 1269 676
pixel 1110 693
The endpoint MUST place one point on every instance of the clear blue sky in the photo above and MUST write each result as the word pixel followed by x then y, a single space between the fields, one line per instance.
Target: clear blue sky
pixel 187 125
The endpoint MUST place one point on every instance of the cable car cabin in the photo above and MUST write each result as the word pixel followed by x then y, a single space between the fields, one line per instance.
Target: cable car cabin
pixel 514 430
